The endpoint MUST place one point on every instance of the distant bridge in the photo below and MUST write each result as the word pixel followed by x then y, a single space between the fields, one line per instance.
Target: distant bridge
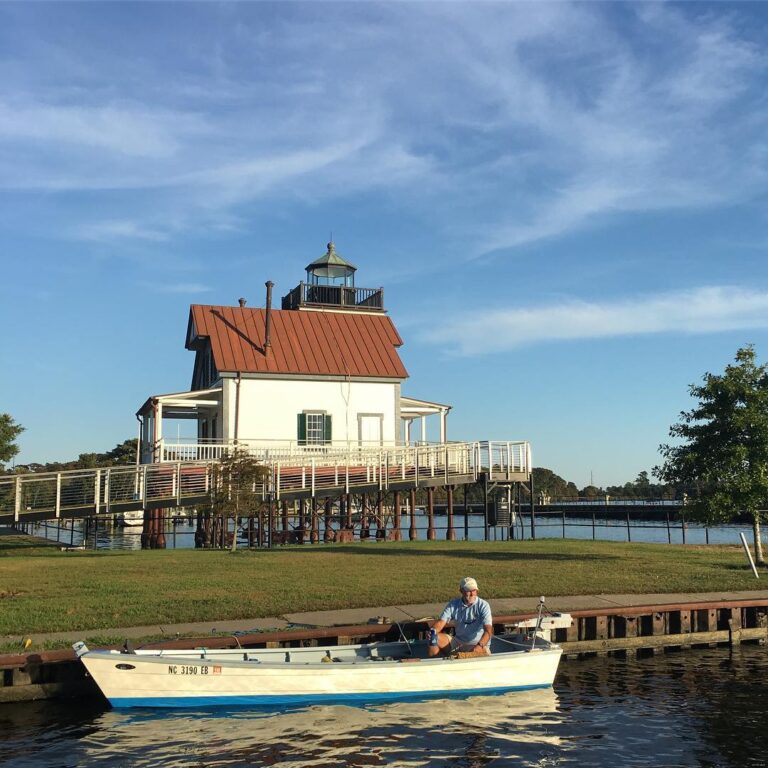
pixel 610 507
pixel 112 490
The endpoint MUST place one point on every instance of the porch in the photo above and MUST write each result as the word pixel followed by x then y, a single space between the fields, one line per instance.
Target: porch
pixel 205 409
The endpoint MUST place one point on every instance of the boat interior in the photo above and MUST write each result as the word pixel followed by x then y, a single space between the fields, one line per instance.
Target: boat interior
pixel 401 651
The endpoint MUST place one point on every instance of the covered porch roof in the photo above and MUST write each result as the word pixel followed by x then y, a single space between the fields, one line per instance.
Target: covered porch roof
pixel 411 409
pixel 182 405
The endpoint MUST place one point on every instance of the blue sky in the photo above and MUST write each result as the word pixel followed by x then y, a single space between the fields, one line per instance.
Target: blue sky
pixel 565 203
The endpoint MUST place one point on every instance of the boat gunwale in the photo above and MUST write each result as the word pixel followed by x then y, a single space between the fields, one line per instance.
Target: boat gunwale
pixel 370 662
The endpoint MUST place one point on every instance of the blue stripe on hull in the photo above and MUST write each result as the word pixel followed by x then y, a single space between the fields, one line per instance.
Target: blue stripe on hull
pixel 335 698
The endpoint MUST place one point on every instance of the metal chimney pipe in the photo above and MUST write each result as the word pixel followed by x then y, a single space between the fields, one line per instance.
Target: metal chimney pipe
pixel 268 319
pixel 241 302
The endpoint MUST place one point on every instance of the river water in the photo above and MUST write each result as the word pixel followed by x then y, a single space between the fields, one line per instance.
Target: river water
pixel 694 708
pixel 180 534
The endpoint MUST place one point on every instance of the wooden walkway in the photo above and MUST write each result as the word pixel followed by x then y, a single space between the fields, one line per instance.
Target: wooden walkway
pixel 112 490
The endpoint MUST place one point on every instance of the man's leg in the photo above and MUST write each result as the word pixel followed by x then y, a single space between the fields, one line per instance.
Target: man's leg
pixel 443 645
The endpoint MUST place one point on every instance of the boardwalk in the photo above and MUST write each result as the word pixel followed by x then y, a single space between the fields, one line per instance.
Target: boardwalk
pixel 112 490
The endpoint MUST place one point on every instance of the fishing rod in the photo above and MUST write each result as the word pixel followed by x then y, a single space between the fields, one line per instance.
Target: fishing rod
pixel 418 621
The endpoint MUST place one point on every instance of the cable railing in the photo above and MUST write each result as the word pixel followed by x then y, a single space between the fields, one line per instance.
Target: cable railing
pixel 291 471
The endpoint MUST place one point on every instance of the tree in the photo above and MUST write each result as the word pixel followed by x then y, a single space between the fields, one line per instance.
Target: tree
pixel 9 431
pixel 236 489
pixel 550 484
pixel 123 453
pixel 723 457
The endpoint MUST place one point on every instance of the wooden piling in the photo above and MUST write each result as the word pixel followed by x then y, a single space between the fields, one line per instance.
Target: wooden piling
pixel 328 534
pixel 301 522
pixel 314 534
pixel 145 530
pixel 160 529
pixel 450 533
pixel 431 533
pixel 365 530
pixel 381 530
pixel 396 532
pixel 284 521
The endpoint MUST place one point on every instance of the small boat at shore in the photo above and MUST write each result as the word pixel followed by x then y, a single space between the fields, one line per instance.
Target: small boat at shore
pixel 132 517
pixel 362 674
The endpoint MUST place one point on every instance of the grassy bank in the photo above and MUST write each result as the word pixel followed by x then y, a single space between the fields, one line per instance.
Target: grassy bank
pixel 45 590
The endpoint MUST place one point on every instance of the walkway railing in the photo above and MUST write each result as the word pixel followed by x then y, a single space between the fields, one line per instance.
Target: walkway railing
pixel 86 492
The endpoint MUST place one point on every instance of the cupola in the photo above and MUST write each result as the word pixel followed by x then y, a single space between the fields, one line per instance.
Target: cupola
pixel 331 269
pixel 330 287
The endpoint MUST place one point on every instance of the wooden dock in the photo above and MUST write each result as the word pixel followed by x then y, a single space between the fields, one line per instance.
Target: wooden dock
pixel 625 629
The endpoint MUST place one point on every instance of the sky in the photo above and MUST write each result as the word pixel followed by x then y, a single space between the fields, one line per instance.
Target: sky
pixel 566 203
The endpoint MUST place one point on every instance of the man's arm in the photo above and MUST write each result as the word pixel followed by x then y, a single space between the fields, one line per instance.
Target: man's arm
pixel 485 638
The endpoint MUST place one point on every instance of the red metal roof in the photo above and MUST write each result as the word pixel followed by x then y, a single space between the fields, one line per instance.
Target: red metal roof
pixel 314 343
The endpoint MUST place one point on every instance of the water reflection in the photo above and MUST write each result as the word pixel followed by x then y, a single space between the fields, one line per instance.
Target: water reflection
pixel 180 532
pixel 695 708
pixel 471 731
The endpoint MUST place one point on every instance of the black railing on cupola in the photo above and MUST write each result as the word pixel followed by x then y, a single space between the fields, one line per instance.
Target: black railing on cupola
pixel 304 294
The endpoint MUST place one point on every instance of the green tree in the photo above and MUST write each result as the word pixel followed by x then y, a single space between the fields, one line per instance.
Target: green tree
pixel 550 484
pixel 124 453
pixel 9 431
pixel 591 492
pixel 722 458
pixel 236 489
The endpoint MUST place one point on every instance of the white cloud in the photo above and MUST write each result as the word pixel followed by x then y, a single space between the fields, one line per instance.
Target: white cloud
pixel 502 124
pixel 120 130
pixel 117 229
pixel 701 310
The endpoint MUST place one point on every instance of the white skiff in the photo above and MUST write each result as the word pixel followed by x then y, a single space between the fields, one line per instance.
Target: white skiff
pixel 348 673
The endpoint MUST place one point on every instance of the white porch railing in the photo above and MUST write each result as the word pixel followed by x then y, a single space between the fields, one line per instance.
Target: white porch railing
pixel 263 450
pixel 501 458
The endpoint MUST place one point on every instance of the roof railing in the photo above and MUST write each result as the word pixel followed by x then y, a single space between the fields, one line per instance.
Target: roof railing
pixel 341 296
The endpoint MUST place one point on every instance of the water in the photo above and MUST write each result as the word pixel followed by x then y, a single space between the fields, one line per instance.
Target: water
pixel 181 533
pixel 704 708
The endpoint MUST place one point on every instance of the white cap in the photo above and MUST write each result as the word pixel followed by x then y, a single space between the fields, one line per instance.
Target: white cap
pixel 467 584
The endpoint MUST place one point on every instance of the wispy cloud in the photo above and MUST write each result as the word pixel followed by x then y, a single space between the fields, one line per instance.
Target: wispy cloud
pixel 109 230
pixel 701 310
pixel 501 124
pixel 130 130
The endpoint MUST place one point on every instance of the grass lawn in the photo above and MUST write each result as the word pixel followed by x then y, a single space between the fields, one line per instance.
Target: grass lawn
pixel 45 590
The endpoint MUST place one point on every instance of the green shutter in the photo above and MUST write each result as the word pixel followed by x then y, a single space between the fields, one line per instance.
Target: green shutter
pixel 301 428
pixel 327 431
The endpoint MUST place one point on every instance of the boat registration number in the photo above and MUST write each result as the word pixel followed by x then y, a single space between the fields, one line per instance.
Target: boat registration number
pixel 192 669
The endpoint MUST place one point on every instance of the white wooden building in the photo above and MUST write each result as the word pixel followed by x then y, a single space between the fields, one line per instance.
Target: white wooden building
pixel 321 373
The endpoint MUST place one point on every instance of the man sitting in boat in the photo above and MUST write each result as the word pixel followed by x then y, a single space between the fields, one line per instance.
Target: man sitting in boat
pixel 472 621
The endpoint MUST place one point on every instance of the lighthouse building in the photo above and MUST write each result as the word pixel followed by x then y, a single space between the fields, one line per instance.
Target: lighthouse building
pixel 320 374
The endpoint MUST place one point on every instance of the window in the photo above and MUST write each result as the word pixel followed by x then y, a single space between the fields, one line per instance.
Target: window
pixel 314 428
pixel 205 370
pixel 315 431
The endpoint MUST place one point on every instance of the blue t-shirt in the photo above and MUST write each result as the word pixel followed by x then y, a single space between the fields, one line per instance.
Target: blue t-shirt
pixel 468 620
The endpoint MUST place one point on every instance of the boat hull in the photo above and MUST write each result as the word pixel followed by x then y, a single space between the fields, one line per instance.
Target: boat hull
pixel 235 678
